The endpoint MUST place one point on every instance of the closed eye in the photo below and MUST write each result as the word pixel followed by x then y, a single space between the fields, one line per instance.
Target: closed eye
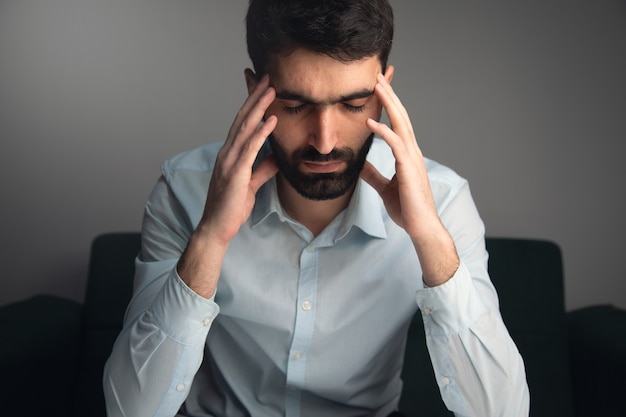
pixel 354 109
pixel 294 109
pixel 294 103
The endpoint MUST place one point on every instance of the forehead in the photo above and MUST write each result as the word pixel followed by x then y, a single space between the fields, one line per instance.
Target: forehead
pixel 321 77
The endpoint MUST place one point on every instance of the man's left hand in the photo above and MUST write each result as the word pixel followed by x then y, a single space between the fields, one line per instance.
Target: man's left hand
pixel 407 196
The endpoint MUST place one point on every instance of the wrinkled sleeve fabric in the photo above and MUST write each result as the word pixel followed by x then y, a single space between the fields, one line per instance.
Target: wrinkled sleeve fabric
pixel 477 365
pixel 160 348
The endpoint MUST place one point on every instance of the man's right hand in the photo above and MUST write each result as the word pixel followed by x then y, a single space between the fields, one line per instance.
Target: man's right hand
pixel 231 193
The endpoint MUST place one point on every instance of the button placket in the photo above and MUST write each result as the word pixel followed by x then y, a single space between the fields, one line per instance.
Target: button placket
pixel 303 326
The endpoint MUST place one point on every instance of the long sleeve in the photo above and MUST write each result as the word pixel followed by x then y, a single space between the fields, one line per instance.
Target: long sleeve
pixel 160 348
pixel 157 355
pixel 478 368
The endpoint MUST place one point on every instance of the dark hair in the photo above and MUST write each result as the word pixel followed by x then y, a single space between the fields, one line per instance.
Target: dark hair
pixel 346 30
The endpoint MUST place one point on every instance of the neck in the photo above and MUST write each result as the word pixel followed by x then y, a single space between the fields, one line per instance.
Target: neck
pixel 314 215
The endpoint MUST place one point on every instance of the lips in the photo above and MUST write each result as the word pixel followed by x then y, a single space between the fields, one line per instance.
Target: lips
pixel 323 167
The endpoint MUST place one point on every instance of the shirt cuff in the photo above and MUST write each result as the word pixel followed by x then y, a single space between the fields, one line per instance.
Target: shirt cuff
pixel 451 307
pixel 181 313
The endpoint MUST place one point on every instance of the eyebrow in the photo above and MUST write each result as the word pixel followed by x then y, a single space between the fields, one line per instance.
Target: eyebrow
pixel 293 96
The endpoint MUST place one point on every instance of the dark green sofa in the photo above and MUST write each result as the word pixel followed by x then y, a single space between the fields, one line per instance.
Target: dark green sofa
pixel 52 350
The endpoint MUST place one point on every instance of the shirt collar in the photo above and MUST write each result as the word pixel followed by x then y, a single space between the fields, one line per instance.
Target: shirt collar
pixel 365 211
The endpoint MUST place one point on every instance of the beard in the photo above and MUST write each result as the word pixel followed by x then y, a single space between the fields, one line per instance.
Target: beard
pixel 320 186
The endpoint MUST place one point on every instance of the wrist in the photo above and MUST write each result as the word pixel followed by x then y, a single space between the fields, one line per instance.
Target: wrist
pixel 200 264
pixel 438 258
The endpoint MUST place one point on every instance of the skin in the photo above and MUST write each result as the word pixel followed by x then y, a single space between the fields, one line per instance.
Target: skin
pixel 311 101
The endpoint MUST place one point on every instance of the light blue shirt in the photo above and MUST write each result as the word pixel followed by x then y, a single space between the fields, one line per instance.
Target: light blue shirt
pixel 303 325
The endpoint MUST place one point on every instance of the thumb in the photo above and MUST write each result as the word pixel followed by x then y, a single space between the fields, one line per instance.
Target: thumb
pixel 373 177
pixel 263 172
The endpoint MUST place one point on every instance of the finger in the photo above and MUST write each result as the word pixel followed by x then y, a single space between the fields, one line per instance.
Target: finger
pixel 392 96
pixel 253 98
pixel 374 178
pixel 250 152
pixel 245 140
pixel 398 116
pixel 263 172
pixel 382 130
pixel 247 118
pixel 251 114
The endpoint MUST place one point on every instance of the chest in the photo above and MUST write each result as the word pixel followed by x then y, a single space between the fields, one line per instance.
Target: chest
pixel 271 278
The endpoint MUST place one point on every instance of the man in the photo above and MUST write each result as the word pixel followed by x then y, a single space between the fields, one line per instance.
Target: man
pixel 280 278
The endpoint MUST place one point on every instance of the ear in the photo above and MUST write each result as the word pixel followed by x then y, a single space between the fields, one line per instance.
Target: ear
pixel 251 80
pixel 389 73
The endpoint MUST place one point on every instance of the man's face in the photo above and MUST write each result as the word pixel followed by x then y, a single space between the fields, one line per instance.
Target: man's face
pixel 321 140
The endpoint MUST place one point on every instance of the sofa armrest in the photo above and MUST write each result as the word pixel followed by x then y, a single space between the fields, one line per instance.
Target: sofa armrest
pixel 528 275
pixel 39 355
pixel 597 342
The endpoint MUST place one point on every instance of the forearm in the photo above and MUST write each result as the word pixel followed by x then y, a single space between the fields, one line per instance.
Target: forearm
pixel 477 365
pixel 158 353
pixel 200 264
pixel 437 254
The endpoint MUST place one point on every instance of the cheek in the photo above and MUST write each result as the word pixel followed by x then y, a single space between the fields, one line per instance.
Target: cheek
pixel 291 128
pixel 289 132
pixel 355 125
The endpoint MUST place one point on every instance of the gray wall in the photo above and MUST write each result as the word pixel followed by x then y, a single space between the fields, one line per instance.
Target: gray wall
pixel 525 99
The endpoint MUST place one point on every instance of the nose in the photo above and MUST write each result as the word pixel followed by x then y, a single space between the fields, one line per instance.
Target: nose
pixel 323 133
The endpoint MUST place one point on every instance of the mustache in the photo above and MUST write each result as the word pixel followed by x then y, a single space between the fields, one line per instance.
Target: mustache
pixel 312 155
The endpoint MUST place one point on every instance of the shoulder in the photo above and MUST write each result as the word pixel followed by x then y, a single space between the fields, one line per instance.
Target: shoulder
pixel 442 174
pixel 381 156
pixel 445 184
pixel 184 180
pixel 201 159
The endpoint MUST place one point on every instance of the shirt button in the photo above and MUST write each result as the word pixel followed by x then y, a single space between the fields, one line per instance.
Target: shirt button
pixel 310 249
pixel 297 355
pixel 426 310
pixel 306 305
pixel 207 321
pixel 180 387
pixel 445 380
